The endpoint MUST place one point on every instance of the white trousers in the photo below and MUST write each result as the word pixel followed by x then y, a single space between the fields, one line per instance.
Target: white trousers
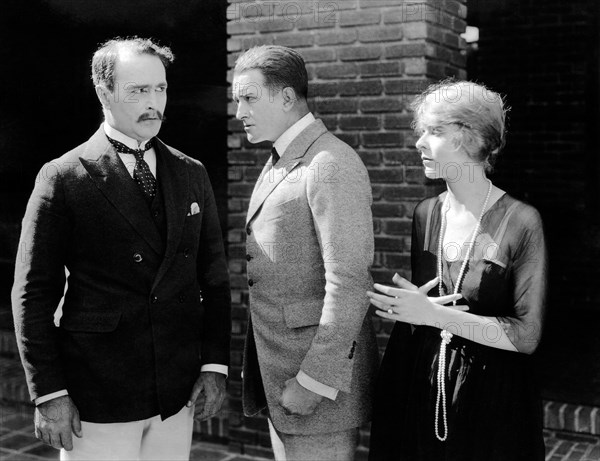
pixel 148 439
pixel 334 446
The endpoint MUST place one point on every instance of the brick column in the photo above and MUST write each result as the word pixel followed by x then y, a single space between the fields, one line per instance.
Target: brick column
pixel 366 59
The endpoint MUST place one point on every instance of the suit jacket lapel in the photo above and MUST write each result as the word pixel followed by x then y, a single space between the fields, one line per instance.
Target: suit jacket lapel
pixel 272 176
pixel 114 181
pixel 174 181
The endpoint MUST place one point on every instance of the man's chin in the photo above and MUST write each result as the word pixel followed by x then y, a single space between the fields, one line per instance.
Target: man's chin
pixel 151 129
pixel 253 139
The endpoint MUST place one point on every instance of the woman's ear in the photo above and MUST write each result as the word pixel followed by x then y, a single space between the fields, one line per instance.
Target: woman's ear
pixel 470 142
pixel 458 139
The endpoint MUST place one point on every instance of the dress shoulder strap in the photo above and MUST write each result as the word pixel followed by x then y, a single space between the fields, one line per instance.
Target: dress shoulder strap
pixel 430 208
pixel 501 230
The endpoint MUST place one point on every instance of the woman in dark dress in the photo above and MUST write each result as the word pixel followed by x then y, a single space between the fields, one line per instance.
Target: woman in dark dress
pixel 456 382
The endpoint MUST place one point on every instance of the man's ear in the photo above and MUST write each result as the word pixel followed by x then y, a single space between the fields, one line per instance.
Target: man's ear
pixel 104 96
pixel 289 98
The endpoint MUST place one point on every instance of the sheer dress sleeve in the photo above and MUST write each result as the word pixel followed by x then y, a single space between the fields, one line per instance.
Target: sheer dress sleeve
pixel 529 271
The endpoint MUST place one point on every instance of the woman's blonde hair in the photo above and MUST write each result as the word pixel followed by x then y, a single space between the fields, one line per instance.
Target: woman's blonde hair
pixel 479 112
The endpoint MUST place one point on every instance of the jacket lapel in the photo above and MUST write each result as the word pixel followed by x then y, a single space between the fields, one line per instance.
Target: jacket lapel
pixel 114 181
pixel 174 181
pixel 272 176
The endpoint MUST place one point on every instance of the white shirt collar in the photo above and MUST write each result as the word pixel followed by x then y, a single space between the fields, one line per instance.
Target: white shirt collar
pixel 122 138
pixel 283 141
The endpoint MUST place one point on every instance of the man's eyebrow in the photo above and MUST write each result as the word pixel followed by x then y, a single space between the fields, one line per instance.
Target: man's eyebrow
pixel 135 86
pixel 249 93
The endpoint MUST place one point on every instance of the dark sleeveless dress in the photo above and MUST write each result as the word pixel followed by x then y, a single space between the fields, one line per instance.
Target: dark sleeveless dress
pixel 493 408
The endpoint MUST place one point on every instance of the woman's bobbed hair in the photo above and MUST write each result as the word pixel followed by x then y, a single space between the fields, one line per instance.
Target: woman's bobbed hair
pixel 479 112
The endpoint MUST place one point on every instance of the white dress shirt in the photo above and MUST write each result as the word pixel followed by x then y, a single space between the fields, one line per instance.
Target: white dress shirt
pixel 128 159
pixel 283 141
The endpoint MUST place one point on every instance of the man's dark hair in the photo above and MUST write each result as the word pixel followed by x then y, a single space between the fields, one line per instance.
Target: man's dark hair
pixel 280 66
pixel 105 57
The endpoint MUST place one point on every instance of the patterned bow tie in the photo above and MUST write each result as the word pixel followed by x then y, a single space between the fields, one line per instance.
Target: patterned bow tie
pixel 141 172
pixel 123 149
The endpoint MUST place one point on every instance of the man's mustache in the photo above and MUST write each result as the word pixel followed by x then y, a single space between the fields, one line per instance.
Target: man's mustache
pixel 159 115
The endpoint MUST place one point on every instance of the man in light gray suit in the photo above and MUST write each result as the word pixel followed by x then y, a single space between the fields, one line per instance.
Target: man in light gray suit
pixel 311 353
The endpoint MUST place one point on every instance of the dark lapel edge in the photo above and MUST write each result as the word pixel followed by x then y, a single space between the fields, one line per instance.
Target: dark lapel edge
pixel 174 180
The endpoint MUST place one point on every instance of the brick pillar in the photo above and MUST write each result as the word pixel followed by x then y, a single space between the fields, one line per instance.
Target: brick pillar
pixel 366 59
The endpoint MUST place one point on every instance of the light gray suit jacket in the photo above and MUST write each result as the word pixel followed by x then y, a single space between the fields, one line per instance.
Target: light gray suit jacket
pixel 309 252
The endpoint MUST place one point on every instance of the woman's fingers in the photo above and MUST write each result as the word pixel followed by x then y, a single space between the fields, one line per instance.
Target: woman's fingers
pixel 380 303
pixel 446 299
pixel 386 315
pixel 383 299
pixel 428 286
pixel 398 296
pixel 390 291
pixel 406 285
pixel 403 283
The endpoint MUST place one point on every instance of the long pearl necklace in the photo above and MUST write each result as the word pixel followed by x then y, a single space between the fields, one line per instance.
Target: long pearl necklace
pixel 446 335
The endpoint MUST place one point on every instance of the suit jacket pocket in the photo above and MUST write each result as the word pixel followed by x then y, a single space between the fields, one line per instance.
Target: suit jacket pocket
pixel 91 322
pixel 277 208
pixel 285 203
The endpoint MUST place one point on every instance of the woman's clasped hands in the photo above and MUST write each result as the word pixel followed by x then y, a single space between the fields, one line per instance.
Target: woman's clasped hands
pixel 410 303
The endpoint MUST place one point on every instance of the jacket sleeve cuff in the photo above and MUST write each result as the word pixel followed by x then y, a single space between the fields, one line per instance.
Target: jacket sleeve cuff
pixel 47 397
pixel 316 387
pixel 223 369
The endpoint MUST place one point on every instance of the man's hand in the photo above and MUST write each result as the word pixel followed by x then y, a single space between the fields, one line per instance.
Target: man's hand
pixel 297 400
pixel 209 390
pixel 56 420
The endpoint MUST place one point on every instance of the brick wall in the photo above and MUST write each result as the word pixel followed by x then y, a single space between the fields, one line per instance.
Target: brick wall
pixel 365 60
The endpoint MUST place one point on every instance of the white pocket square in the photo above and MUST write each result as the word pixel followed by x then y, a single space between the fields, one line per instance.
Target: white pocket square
pixel 194 209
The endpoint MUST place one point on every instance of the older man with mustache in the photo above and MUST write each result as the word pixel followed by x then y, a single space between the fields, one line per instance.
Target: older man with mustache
pixel 145 329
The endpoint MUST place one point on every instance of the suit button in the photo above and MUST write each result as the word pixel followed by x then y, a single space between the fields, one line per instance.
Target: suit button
pixel 156 213
pixel 181 298
pixel 186 253
pixel 248 230
pixel 351 355
pixel 154 299
pixel 248 258
pixel 137 258
pixel 250 282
